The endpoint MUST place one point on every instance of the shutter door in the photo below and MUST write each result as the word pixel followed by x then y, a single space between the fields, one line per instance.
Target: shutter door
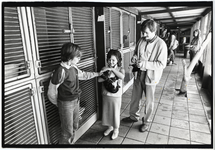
pixel 50 23
pixel 107 28
pixel 52 115
pixel 19 123
pixel 132 29
pixel 115 28
pixel 125 18
pixel 82 20
pixel 14 55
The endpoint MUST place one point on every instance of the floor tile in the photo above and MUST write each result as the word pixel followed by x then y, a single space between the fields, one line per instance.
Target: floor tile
pixel 135 134
pixel 159 128
pixel 163 112
pixel 199 127
pixel 200 137
pixel 199 119
pixel 180 115
pixel 198 112
pixel 82 142
pixel 173 140
pixel 162 120
pixel 162 106
pixel 154 138
pixel 166 102
pixel 93 136
pixel 180 104
pixel 179 133
pixel 178 108
pixel 123 130
pixel 180 124
pixel 180 99
pixel 195 106
pixel 98 126
pixel 131 141
pixel 107 140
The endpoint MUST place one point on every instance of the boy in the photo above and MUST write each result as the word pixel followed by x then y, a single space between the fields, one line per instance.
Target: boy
pixel 66 78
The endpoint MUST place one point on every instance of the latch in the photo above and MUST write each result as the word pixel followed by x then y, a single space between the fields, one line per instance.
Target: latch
pixel 41 89
pixel 38 64
pixel 32 91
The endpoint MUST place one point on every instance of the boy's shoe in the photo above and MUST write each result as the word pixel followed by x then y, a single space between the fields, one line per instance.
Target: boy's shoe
pixel 115 134
pixel 107 132
pixel 128 120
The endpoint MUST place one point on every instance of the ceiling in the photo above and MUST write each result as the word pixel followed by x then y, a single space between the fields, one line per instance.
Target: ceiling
pixel 183 17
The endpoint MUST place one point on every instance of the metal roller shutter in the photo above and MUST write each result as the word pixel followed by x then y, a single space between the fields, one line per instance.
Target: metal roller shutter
pixel 115 28
pixel 82 20
pixel 125 18
pixel 52 115
pixel 50 23
pixel 14 55
pixel 132 29
pixel 107 28
pixel 19 124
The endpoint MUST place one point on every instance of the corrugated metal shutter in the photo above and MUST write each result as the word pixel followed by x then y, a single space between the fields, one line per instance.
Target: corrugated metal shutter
pixel 115 28
pixel 52 115
pixel 107 28
pixel 132 29
pixel 125 18
pixel 19 124
pixel 82 20
pixel 14 56
pixel 50 23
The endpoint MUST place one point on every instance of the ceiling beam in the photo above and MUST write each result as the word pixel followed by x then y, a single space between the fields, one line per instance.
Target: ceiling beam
pixel 173 18
pixel 179 26
pixel 178 18
pixel 172 10
pixel 180 22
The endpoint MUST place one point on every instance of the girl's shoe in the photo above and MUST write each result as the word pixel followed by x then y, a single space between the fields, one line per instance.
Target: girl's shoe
pixel 115 134
pixel 107 132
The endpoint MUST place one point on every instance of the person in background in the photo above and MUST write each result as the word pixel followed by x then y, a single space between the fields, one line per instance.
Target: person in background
pixel 68 74
pixel 112 78
pixel 150 57
pixel 172 49
pixel 195 46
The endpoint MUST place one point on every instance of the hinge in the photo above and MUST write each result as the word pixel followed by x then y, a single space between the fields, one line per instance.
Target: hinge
pixel 38 64
pixel 28 65
pixel 41 89
pixel 32 91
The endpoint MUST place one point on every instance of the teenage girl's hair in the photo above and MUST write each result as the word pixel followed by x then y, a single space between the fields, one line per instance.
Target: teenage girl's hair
pixel 69 51
pixel 150 23
pixel 117 54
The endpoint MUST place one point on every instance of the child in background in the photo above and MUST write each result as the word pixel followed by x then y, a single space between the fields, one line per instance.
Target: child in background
pixel 66 78
pixel 112 92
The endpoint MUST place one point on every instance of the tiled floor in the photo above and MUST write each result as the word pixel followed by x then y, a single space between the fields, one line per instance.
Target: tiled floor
pixel 176 119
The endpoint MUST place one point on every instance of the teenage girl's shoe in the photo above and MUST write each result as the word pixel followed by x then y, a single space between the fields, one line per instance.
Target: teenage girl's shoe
pixel 107 132
pixel 115 134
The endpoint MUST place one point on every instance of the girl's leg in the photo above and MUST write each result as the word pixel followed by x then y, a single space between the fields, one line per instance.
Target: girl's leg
pixel 107 132
pixel 115 133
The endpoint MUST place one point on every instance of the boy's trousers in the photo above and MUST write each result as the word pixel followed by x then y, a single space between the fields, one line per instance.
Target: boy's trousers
pixel 139 87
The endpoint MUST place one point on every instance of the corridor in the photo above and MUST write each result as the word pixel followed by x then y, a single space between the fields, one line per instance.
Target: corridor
pixel 176 119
